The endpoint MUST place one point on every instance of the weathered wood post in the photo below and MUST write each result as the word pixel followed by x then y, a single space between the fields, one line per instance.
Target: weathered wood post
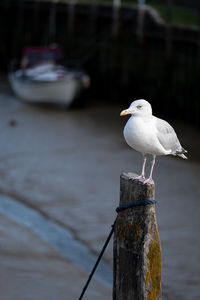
pixel 140 22
pixel 169 37
pixel 115 21
pixel 137 250
pixel 70 18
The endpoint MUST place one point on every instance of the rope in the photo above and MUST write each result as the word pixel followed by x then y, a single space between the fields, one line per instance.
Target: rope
pixel 98 260
pixel 118 209
pixel 136 203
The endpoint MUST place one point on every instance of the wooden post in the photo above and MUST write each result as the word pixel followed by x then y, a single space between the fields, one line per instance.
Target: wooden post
pixel 169 29
pixel 70 18
pixel 52 22
pixel 137 250
pixel 115 21
pixel 140 22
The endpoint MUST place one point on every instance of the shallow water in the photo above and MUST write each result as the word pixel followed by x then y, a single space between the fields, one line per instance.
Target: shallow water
pixel 66 164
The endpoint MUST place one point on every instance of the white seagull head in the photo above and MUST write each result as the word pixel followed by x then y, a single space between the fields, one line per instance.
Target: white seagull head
pixel 139 107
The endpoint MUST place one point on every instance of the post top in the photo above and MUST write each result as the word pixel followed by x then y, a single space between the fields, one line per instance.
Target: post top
pixel 131 176
pixel 132 190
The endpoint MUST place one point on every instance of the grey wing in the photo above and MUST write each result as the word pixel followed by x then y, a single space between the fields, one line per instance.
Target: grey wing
pixel 167 136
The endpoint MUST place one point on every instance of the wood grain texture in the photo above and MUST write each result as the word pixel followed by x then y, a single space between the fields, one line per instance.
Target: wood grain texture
pixel 137 250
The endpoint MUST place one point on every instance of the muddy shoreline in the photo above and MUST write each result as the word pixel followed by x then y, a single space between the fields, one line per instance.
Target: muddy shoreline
pixel 66 164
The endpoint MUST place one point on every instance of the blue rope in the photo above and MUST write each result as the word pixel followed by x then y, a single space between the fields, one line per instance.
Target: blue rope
pixel 118 209
pixel 136 203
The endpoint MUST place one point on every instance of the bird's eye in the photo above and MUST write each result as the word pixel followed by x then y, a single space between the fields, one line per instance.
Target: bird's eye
pixel 139 106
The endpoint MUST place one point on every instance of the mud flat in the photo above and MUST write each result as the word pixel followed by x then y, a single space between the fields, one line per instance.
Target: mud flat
pixel 65 165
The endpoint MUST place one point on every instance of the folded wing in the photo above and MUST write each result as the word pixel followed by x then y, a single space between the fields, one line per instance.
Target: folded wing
pixel 168 138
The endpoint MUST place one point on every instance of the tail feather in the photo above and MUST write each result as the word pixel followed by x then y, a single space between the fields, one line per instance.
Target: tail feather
pixel 183 150
pixel 181 153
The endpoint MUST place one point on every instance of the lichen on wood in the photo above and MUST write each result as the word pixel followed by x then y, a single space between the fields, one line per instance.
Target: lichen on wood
pixel 153 273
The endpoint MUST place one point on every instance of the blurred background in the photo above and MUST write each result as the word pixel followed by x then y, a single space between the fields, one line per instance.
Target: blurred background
pixel 67 69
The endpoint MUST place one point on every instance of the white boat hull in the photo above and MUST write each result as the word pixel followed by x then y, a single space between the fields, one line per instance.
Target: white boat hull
pixel 62 91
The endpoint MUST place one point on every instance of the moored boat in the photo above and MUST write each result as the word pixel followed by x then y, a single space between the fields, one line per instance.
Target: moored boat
pixel 42 79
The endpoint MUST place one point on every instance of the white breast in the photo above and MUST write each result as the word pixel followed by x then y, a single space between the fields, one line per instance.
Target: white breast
pixel 140 134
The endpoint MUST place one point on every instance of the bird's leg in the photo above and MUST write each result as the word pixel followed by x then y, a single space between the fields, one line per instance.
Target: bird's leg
pixel 142 176
pixel 150 180
pixel 143 167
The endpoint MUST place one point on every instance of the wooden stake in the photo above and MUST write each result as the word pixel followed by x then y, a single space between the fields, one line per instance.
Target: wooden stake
pixel 137 250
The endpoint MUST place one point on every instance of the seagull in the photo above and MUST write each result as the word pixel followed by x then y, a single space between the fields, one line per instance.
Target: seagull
pixel 149 135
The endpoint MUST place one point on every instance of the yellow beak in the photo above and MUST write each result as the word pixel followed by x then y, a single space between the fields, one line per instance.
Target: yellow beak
pixel 125 112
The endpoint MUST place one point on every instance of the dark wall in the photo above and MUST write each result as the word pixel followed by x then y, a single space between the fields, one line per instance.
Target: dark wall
pixel 161 65
pixel 190 4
